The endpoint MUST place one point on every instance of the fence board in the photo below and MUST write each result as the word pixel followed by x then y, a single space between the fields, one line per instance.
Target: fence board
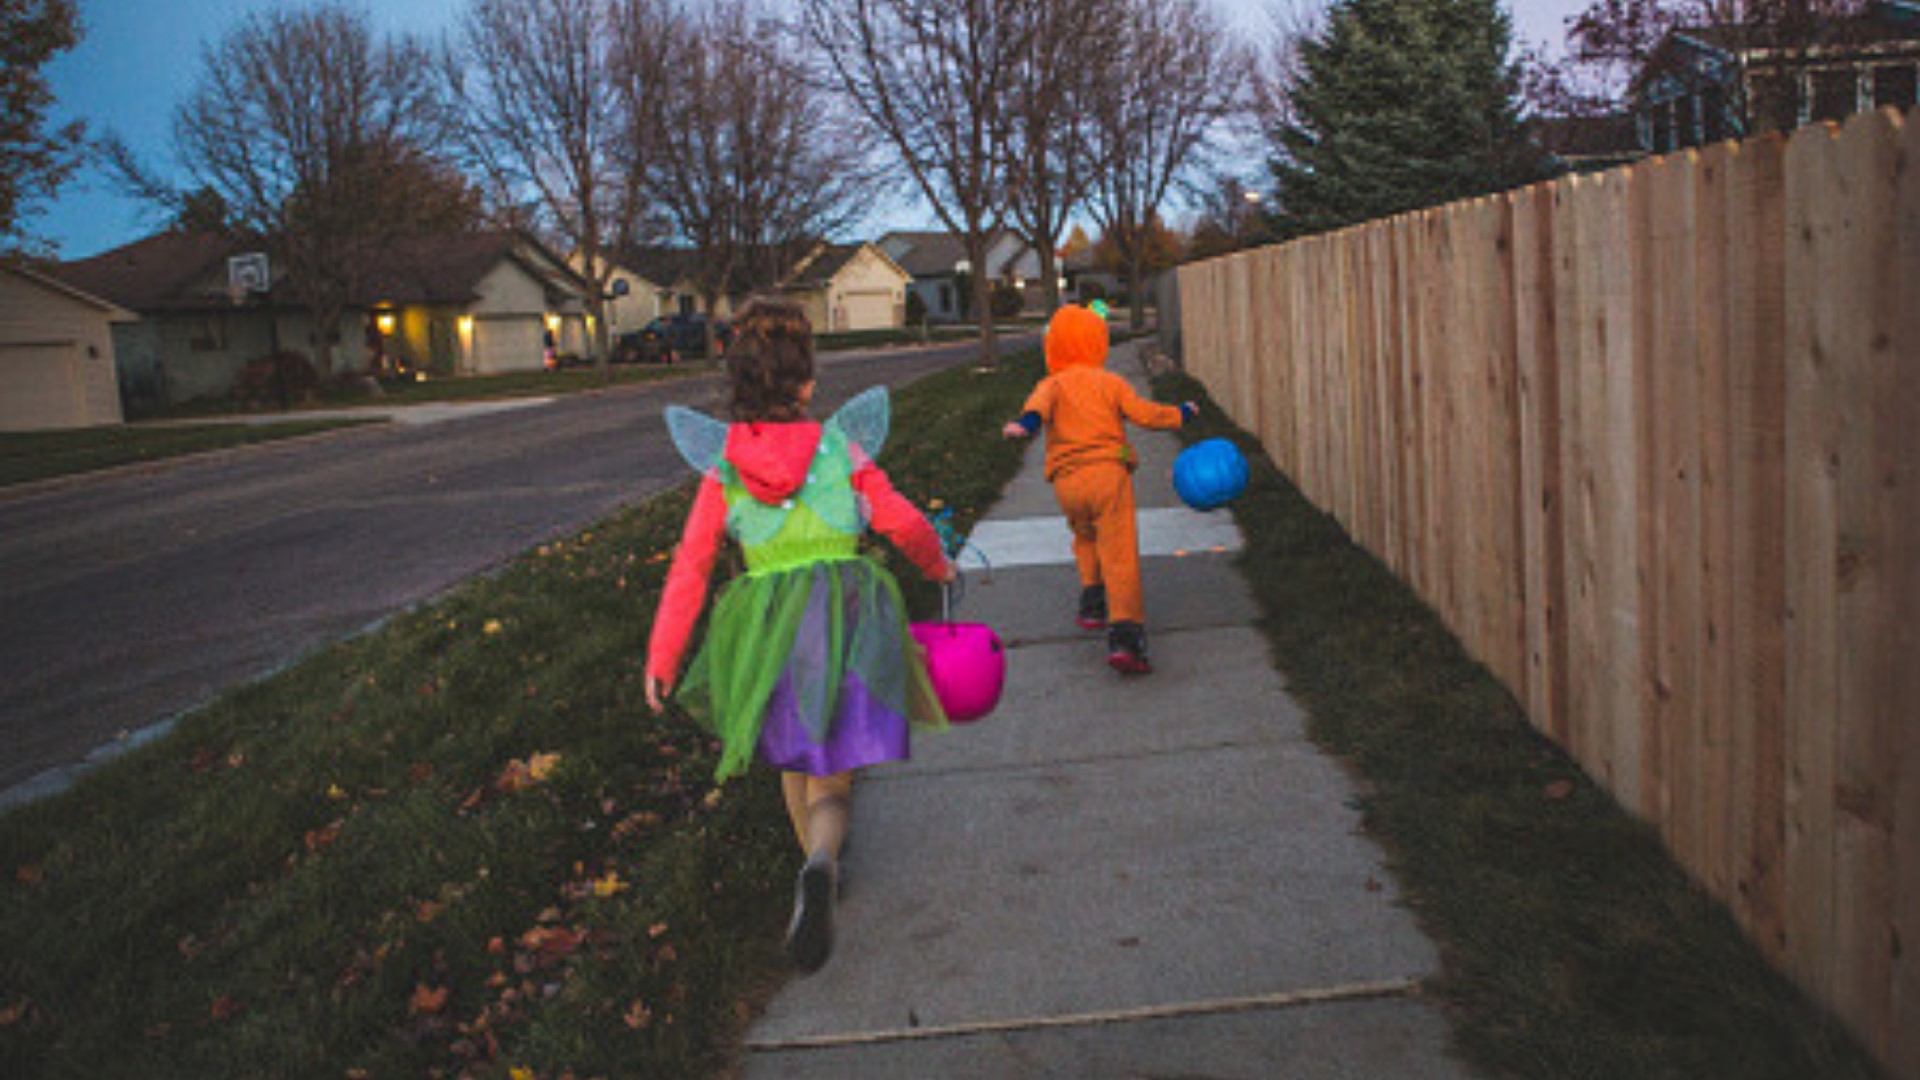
pixel 1717 863
pixel 1537 355
pixel 1903 556
pixel 1815 196
pixel 1863 383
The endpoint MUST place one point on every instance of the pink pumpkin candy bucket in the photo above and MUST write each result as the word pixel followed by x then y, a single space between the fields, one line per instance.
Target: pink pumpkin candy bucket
pixel 966 663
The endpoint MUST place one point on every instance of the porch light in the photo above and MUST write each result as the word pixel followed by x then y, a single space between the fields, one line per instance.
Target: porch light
pixel 1019 282
pixel 466 326
pixel 553 324
pixel 385 322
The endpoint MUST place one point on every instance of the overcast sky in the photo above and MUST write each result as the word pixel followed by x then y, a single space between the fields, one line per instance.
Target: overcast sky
pixel 139 58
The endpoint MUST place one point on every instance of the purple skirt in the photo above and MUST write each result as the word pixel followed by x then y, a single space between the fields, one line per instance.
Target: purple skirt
pixel 864 732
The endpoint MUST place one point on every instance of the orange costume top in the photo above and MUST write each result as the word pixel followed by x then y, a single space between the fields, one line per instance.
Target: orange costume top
pixel 1083 405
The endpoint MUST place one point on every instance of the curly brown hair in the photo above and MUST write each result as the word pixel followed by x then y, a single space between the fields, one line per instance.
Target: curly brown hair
pixel 769 361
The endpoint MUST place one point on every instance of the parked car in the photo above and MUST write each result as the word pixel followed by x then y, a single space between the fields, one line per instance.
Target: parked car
pixel 670 339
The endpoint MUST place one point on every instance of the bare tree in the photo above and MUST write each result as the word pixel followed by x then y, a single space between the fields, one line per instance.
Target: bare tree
pixel 751 163
pixel 932 78
pixel 532 92
pixel 1173 77
pixel 315 135
pixel 1050 163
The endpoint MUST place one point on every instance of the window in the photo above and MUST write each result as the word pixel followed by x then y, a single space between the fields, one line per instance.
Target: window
pixel 1663 127
pixel 210 334
pixel 946 298
pixel 1894 86
pixel 1836 95
pixel 1713 122
pixel 1776 103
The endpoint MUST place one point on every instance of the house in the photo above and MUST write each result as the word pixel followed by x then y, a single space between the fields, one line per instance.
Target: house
pixel 840 286
pixel 846 287
pixel 633 298
pixel 1704 84
pixel 468 303
pixel 937 259
pixel 56 354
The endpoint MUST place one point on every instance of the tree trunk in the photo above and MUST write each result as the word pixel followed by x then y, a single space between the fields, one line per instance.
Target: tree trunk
pixel 982 297
pixel 1136 311
pixel 1050 276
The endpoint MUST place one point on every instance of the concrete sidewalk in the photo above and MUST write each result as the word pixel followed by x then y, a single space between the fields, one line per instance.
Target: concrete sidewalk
pixel 1111 877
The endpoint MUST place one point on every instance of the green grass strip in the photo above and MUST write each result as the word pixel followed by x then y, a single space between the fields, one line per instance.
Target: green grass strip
pixel 43 455
pixel 1572 945
pixel 457 845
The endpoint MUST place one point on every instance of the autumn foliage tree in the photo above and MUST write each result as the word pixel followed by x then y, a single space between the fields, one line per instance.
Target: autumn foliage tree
pixel 33 160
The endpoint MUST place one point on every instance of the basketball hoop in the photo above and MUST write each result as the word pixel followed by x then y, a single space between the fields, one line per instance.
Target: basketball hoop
pixel 247 274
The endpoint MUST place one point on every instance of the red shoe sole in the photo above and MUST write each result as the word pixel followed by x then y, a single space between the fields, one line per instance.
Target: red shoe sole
pixel 1091 624
pixel 1127 663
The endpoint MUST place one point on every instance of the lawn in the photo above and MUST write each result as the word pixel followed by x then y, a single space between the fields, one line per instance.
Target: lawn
pixel 41 455
pixel 1572 945
pixel 456 845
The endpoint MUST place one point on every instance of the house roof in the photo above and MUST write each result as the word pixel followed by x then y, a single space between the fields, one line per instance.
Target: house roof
pixel 156 273
pixel 927 254
pixel 449 269
pixel 111 310
pixel 1885 23
pixel 181 270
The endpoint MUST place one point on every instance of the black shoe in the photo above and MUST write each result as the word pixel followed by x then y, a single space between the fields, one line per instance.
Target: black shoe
pixel 1127 649
pixel 1093 607
pixel 810 933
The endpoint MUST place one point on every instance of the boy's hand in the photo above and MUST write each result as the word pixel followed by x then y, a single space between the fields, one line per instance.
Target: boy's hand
pixel 1188 410
pixel 1013 430
pixel 657 692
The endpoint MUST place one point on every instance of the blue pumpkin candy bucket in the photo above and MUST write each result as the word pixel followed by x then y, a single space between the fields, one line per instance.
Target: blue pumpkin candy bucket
pixel 1210 474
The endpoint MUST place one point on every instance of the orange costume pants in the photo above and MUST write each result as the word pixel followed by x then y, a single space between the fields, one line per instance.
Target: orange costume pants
pixel 1098 502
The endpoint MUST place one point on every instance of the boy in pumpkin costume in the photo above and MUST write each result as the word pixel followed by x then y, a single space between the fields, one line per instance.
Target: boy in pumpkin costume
pixel 1084 408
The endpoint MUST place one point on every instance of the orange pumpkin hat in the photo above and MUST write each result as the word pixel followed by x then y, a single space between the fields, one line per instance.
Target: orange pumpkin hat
pixel 1076 337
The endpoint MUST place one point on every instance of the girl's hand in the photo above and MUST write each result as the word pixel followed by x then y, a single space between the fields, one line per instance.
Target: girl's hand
pixel 657 692
pixel 951 574
pixel 1013 430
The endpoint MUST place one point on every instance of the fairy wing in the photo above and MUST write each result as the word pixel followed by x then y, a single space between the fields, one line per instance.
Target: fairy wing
pixel 865 420
pixel 700 438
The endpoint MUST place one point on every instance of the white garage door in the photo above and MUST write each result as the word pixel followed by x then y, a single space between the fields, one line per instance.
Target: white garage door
pixel 40 387
pixel 508 345
pixel 867 310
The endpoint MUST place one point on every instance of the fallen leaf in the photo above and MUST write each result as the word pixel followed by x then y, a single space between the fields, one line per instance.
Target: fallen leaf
pixel 610 885
pixel 428 910
pixel 541 766
pixel 1374 886
pixel 29 875
pixel 189 947
pixel 321 839
pixel 420 773
pixel 656 929
pixel 637 1015
pixel 492 627
pixel 1559 789
pixel 520 1073
pixel 336 792
pixel 14 1013
pixel 496 947
pixel 225 1007
pixel 427 1000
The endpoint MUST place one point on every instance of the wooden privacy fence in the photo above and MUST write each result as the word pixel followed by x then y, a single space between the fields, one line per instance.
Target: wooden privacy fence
pixel 1649 441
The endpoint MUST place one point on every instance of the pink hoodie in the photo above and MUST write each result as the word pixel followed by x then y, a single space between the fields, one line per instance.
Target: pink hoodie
pixel 772 460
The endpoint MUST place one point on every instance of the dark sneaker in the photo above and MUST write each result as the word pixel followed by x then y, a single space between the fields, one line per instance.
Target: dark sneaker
pixel 1093 608
pixel 1127 649
pixel 810 933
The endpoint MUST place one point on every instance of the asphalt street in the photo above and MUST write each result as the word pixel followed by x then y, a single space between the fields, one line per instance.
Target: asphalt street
pixel 129 598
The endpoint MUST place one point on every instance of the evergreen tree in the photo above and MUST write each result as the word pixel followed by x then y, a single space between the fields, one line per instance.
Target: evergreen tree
pixel 1400 104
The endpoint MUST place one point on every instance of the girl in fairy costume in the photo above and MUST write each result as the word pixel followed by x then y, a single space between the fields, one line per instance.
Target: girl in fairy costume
pixel 808 663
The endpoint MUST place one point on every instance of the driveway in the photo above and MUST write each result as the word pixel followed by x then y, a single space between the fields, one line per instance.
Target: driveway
pixel 133 597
